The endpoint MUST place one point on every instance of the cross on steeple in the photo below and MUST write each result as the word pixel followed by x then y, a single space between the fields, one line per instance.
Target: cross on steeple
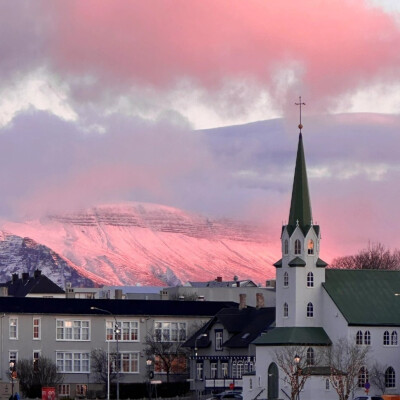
pixel 300 104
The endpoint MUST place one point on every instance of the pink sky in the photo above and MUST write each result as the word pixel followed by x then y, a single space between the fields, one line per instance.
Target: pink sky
pixel 100 101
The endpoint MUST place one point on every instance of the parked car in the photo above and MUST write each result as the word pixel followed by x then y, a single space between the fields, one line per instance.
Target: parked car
pixel 368 398
pixel 227 395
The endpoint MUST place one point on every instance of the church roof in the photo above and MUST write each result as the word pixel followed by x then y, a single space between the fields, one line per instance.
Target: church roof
pixel 300 336
pixel 365 297
pixel 300 206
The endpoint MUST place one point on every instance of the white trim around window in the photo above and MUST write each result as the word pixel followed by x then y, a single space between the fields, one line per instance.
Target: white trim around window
pixel 130 362
pixel 13 328
pixel 72 330
pixel 37 328
pixel 73 362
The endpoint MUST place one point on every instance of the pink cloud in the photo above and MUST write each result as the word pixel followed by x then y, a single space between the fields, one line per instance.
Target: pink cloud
pixel 337 44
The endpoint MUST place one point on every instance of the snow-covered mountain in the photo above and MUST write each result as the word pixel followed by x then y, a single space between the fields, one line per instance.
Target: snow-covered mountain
pixel 137 243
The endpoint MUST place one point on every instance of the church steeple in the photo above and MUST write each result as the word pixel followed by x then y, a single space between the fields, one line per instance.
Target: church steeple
pixel 300 206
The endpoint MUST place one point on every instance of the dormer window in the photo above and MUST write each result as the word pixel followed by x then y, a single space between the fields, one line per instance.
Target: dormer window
pixel 310 247
pixel 285 279
pixel 286 247
pixel 297 247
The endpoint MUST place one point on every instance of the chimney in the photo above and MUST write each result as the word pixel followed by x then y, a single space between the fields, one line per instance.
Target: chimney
pixel 25 276
pixel 219 279
pixel 260 300
pixel 242 301
pixel 14 277
pixel 37 273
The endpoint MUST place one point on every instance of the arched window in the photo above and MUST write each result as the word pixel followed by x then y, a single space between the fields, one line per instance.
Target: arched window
pixel 285 310
pixel 386 338
pixel 310 310
pixel 297 247
pixel 393 339
pixel 390 378
pixel 310 247
pixel 310 279
pixel 285 279
pixel 327 384
pixel 286 247
pixel 367 337
pixel 363 377
pixel 359 337
pixel 310 356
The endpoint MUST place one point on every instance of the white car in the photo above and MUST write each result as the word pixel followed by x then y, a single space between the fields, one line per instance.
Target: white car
pixel 368 398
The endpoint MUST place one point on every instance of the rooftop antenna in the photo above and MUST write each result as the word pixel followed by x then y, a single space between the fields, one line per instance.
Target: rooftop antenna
pixel 300 104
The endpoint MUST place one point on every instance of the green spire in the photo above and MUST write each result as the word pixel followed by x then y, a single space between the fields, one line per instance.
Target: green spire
pixel 300 207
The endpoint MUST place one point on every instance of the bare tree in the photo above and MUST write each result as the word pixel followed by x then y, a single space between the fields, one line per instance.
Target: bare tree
pixel 345 362
pixel 377 375
pixel 99 366
pixel 375 256
pixel 35 375
pixel 296 365
pixel 168 355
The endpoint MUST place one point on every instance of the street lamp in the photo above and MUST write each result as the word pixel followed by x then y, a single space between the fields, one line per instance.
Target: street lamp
pixel 117 332
pixel 297 362
pixel 12 376
pixel 195 342
pixel 150 374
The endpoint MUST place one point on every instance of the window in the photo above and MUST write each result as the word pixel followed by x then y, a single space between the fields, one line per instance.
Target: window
pixel 213 369
pixel 218 339
pixel 36 356
pixel 286 247
pixel 199 371
pixel 36 328
pixel 170 331
pixel 130 331
pixel 13 357
pixel 72 362
pixel 237 369
pixel 73 330
pixel 363 377
pixel 310 356
pixel 177 364
pixel 390 378
pixel 310 247
pixel 310 310
pixel 285 310
pixel 393 338
pixel 113 331
pixel 297 247
pixel 130 362
pixel 224 369
pixel 251 384
pixel 310 279
pixel 13 328
pixel 327 384
pixel 63 390
pixel 367 338
pixel 81 390
pixel 386 338
pixel 359 337
pixel 285 279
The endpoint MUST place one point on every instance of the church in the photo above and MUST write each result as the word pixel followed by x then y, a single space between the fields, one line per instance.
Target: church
pixel 321 310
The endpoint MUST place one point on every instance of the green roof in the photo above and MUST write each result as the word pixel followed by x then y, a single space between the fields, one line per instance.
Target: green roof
pixel 321 263
pixel 297 262
pixel 294 336
pixel 365 297
pixel 300 206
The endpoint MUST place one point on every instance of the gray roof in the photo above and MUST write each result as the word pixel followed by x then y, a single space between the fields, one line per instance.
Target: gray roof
pixel 300 336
